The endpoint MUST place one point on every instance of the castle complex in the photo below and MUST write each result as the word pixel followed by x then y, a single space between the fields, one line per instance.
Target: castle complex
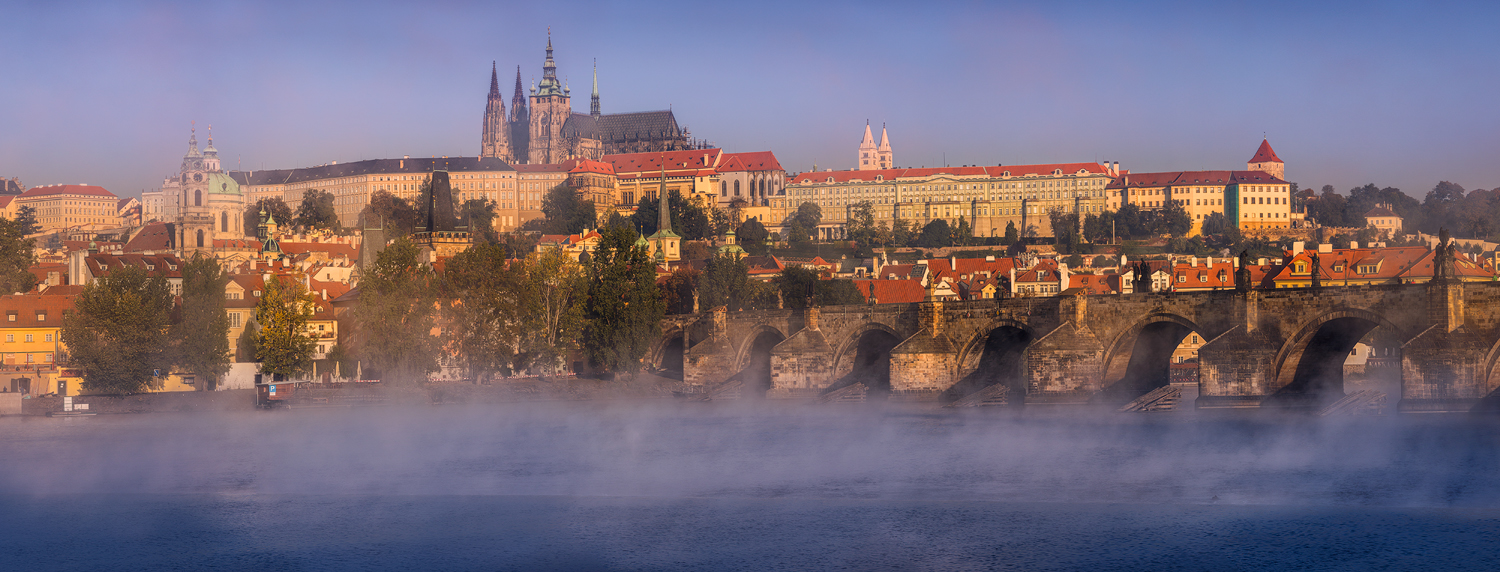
pixel 543 128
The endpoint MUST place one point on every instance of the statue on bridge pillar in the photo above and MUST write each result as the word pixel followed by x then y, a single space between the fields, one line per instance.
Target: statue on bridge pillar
pixel 1317 274
pixel 1002 288
pixel 1444 266
pixel 1142 280
pixel 1242 274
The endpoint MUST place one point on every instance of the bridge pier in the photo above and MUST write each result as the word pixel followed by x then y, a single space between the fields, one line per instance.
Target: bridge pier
pixel 804 361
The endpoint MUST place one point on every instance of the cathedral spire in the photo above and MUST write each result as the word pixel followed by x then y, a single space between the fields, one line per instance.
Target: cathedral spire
pixel 867 150
pixel 594 99
pixel 665 224
pixel 494 138
pixel 495 80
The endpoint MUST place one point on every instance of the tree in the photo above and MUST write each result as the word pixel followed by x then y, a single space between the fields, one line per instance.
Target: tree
pixel 725 282
pixel 862 229
pixel 1102 261
pixel 566 211
pixel 1215 224
pixel 117 333
pixel 902 232
pixel 397 216
pixel 1129 222
pixel 799 284
pixel 751 236
pixel 26 217
pixel 678 288
pixel 316 211
pixel 936 234
pixel 17 254
pixel 396 311
pixel 1173 220
pixel 553 309
pixel 483 312
pixel 962 233
pixel 273 206
pixel 623 309
pixel 479 214
pixel 689 220
pixel 283 346
pixel 201 334
pixel 1065 230
pixel 1011 234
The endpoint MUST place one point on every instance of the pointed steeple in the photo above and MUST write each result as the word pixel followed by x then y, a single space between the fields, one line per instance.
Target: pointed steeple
pixel 867 150
pixel 884 159
pixel 193 142
pixel 664 223
pixel 495 80
pixel 549 84
pixel 594 99
pixel 885 140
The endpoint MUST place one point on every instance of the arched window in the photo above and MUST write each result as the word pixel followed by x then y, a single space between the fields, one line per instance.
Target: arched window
pixel 198 200
pixel 723 188
pixel 224 221
pixel 736 188
pixel 200 238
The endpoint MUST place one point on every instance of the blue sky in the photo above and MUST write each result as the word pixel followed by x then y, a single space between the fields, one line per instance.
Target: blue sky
pixel 1398 94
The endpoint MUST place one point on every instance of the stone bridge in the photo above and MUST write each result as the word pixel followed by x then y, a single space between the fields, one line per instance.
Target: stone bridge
pixel 1264 348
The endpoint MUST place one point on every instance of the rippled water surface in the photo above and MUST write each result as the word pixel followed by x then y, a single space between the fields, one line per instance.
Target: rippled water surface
pixel 659 486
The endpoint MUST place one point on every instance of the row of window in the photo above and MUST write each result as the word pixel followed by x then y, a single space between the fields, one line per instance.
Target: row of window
pixel 11 338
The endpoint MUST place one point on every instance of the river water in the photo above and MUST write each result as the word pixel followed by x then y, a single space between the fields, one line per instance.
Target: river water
pixel 749 486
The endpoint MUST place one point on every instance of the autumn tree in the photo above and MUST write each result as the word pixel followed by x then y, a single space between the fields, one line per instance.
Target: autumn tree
pixel 201 334
pixel 397 216
pixel 553 309
pixel 484 311
pixel 282 345
pixel 118 331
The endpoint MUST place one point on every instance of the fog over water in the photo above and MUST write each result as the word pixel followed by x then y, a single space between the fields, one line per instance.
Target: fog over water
pixel 669 485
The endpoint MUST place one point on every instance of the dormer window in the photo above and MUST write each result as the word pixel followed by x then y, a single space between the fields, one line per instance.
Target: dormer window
pixel 41 315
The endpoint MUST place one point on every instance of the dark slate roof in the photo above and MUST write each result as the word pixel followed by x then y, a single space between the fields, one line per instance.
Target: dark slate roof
pixel 372 166
pixel 624 126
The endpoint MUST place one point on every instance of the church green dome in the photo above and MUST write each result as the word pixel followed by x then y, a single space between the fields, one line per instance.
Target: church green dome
pixel 222 184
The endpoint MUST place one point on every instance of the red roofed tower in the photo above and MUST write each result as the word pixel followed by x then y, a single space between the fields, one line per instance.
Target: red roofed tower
pixel 1266 161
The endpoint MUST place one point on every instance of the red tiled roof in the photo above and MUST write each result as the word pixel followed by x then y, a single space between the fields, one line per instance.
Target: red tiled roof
pixel 164 264
pixel 587 166
pixel 751 161
pixel 26 306
pixel 63 290
pixel 50 190
pixel 1094 284
pixel 892 291
pixel 1175 178
pixel 5 200
pixel 334 249
pixel 814 177
pixel 155 236
pixel 692 160
pixel 1264 154
pixel 1381 212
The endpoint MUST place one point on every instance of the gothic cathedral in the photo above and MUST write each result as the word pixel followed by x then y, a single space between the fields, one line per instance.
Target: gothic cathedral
pixel 543 128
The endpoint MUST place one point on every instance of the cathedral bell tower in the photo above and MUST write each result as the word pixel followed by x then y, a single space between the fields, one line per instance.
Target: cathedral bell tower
pixel 550 108
pixel 867 150
pixel 495 135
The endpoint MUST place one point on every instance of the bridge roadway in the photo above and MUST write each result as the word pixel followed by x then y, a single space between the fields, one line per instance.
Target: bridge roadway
pixel 1283 348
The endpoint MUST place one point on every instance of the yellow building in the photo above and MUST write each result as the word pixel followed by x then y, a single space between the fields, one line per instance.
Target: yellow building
pixel 692 173
pixel 30 343
pixel 1249 199
pixel 988 198
pixel 352 184
pixel 61 207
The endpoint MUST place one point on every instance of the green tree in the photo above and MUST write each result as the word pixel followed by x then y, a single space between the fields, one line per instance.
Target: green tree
pixel 751 236
pixel 623 310
pixel 484 309
pixel 725 282
pixel 936 234
pixel 396 312
pixel 1065 230
pixel 118 331
pixel 902 232
pixel 201 334
pixel 962 233
pixel 17 254
pixel 862 229
pixel 395 214
pixel 799 284
pixel 1011 234
pixel 26 217
pixel 553 310
pixel 1173 220
pixel 479 214
pixel 677 290
pixel 282 345
pixel 689 219
pixel 274 206
pixel 1215 224
pixel 316 211
pixel 566 211
pixel 1102 261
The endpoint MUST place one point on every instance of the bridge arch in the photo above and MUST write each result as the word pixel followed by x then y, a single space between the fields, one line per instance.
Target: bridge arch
pixel 753 359
pixel 1309 367
pixel 864 356
pixel 1138 360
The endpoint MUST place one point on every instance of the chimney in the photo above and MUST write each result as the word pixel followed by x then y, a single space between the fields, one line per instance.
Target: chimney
pixel 1325 248
pixel 1353 245
pixel 1298 247
pixel 325 293
pixel 252 264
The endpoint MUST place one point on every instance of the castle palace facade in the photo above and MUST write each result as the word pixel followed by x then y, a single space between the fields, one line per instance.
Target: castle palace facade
pixel 544 129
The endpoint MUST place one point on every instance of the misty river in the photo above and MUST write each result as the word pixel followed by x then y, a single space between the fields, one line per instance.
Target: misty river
pixel 746 486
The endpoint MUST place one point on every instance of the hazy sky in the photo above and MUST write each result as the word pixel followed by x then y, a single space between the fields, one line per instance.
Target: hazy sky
pixel 1399 94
